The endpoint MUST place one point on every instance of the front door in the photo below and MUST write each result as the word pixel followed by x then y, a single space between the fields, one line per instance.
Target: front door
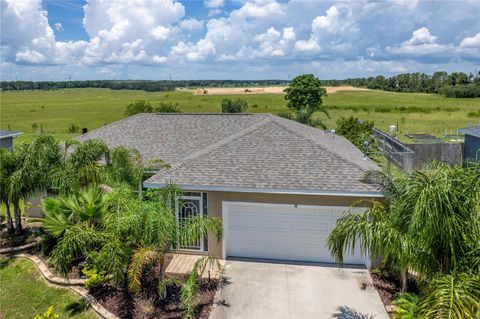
pixel 188 207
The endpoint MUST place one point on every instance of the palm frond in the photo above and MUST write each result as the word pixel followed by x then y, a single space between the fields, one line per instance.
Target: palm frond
pixel 142 258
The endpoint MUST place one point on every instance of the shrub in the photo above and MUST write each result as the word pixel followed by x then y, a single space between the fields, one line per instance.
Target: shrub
pixel 235 106
pixel 49 314
pixel 286 115
pixel 167 107
pixel 73 128
pixel 474 114
pixel 355 131
pixel 140 106
pixel 47 244
pixel 94 279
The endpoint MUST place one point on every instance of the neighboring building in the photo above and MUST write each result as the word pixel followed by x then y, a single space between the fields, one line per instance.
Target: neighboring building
pixel 6 138
pixel 279 186
pixel 471 146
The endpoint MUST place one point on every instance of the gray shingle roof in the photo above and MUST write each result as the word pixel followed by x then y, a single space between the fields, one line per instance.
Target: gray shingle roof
pixel 242 151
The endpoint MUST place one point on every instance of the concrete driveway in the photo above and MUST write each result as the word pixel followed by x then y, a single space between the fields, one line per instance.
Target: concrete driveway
pixel 263 290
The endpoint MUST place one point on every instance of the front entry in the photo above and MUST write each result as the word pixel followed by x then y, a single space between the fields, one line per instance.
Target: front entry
pixel 190 206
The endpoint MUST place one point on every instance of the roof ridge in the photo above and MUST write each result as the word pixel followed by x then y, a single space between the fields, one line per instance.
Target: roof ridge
pixel 275 119
pixel 217 145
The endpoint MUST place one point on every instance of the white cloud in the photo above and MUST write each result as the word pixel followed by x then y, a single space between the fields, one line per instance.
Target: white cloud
pixel 194 52
pixel 421 36
pixel 191 24
pixel 58 26
pixel 471 42
pixel 160 33
pixel 214 3
pixel 214 12
pixel 258 9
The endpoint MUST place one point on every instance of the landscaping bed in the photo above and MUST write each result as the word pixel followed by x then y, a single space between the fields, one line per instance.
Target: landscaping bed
pixel 148 304
pixel 28 236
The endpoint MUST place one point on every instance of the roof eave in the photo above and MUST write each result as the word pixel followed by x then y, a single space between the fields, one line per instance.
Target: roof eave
pixel 11 135
pixel 270 190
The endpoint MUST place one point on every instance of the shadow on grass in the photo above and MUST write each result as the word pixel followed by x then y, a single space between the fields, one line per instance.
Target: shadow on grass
pixel 78 306
pixel 5 261
pixel 344 312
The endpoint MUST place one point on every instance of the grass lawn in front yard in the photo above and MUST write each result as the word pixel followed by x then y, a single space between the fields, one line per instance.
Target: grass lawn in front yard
pixel 24 293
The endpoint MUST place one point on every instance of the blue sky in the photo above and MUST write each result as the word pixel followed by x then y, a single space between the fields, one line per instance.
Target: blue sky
pixel 220 39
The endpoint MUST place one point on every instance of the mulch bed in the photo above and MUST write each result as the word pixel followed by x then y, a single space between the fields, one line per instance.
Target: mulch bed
pixel 388 285
pixel 147 303
pixel 29 235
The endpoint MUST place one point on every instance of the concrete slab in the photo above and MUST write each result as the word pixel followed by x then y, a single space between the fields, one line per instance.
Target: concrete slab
pixel 262 290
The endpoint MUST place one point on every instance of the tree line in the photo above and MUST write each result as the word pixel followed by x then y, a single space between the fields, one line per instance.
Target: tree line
pixel 145 85
pixel 456 84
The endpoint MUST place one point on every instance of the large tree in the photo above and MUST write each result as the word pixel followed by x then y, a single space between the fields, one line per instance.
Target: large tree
pixel 7 167
pixel 430 224
pixel 304 97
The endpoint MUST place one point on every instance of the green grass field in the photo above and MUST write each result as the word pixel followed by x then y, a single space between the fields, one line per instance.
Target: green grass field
pixel 25 293
pixel 54 111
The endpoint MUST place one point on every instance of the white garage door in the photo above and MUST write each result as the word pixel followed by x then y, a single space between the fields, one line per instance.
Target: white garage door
pixel 286 232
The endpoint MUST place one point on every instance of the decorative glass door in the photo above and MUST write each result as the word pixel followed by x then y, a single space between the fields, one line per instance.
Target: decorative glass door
pixel 188 207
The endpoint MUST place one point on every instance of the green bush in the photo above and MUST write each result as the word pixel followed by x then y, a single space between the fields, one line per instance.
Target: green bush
pixel 461 91
pixel 73 128
pixel 140 106
pixel 49 314
pixel 356 132
pixel 235 106
pixel 94 279
pixel 167 107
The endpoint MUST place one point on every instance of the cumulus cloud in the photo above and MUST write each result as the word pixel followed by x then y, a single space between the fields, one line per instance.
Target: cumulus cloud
pixel 58 26
pixel 214 3
pixel 192 24
pixel 259 33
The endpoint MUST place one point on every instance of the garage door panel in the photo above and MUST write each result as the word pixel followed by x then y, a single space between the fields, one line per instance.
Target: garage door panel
pixel 286 232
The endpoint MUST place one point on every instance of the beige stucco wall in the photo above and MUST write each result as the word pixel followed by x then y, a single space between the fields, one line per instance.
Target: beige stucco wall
pixel 33 206
pixel 215 200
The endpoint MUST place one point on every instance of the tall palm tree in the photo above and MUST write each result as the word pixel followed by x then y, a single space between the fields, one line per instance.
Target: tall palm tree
pixel 7 167
pixel 118 231
pixel 429 224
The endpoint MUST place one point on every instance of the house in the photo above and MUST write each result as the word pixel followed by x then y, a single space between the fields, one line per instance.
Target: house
pixel 471 146
pixel 279 186
pixel 6 138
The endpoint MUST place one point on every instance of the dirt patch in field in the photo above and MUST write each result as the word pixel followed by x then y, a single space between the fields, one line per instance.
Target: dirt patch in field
pixel 264 90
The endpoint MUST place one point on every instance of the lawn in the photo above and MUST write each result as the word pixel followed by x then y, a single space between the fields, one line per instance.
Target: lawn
pixel 25 293
pixel 55 111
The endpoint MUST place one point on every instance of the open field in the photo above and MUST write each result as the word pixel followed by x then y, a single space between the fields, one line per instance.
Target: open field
pixel 54 111
pixel 24 293
pixel 262 90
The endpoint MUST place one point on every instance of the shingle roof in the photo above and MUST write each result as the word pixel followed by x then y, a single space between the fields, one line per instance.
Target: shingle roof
pixel 6 133
pixel 472 130
pixel 241 151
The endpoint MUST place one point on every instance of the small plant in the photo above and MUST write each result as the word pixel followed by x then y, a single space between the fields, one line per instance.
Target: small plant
pixel 94 279
pixel 407 306
pixel 73 128
pixel 474 114
pixel 49 314
pixel 286 115
pixel 34 127
pixel 164 283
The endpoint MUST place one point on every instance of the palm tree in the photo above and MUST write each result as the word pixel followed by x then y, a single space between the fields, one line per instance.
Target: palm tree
pixel 119 232
pixel 430 223
pixel 7 167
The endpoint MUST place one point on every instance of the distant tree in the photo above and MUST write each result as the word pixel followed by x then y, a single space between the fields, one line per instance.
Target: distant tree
pixel 235 106
pixel 140 106
pixel 304 97
pixel 356 132
pixel 167 107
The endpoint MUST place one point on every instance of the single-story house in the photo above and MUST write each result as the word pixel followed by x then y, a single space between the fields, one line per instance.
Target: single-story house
pixel 6 138
pixel 279 186
pixel 471 146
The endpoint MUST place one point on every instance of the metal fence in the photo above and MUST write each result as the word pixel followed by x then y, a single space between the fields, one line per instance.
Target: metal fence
pixel 394 151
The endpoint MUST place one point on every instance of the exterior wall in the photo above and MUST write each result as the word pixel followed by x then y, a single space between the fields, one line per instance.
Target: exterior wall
pixel 6 142
pixel 215 200
pixel 471 149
